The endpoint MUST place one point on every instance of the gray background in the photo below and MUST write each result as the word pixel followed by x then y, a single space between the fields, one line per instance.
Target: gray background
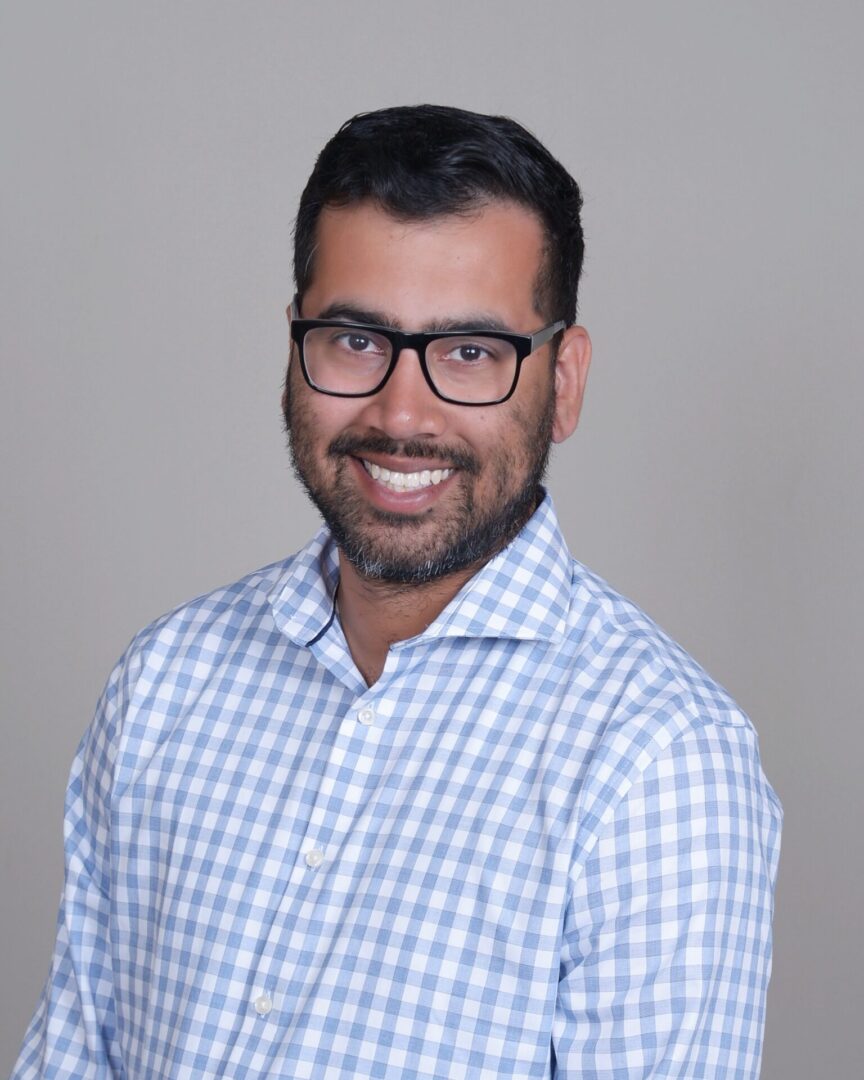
pixel 153 156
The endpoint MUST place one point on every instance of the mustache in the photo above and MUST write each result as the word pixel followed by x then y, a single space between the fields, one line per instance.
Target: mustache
pixel 347 445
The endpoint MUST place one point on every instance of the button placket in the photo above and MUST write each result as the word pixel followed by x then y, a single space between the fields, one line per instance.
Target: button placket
pixel 348 751
pixel 355 752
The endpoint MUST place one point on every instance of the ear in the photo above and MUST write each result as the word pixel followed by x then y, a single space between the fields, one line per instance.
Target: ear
pixel 571 374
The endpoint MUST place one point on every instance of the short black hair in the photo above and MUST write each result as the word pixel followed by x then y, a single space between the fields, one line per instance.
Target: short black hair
pixel 421 161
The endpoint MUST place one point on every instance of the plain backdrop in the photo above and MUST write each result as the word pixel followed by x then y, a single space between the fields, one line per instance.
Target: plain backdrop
pixel 153 156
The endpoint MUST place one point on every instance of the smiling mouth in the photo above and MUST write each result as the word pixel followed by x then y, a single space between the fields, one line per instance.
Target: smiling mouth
pixel 406 481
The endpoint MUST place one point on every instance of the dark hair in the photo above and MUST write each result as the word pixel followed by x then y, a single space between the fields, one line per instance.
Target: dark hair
pixel 422 161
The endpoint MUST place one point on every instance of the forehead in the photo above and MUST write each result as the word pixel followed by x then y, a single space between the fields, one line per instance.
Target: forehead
pixel 485 260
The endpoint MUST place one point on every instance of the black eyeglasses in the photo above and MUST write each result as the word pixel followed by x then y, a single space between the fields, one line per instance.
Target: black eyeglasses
pixel 464 367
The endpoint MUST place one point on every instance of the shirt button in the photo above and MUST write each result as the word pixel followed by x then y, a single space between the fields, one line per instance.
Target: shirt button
pixel 263 1004
pixel 366 716
pixel 314 858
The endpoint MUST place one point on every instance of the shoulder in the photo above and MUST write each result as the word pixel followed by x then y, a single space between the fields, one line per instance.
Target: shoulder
pixel 203 627
pixel 645 707
pixel 620 649
pixel 211 645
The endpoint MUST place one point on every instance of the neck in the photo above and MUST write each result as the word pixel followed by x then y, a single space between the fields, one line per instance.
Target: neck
pixel 375 614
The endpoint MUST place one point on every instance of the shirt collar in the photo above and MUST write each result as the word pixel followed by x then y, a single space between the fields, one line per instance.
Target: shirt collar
pixel 303 600
pixel 522 593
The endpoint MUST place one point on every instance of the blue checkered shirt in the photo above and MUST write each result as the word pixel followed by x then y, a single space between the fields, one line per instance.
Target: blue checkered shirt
pixel 541 844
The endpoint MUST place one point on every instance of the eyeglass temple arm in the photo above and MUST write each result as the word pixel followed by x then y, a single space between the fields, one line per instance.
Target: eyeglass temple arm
pixel 544 335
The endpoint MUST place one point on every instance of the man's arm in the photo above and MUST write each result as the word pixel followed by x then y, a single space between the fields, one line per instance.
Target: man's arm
pixel 667 948
pixel 73 1032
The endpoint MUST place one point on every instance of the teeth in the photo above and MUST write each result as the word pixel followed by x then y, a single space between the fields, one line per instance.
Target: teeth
pixel 402 481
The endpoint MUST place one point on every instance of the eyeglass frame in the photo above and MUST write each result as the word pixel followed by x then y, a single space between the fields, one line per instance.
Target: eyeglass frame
pixel 524 344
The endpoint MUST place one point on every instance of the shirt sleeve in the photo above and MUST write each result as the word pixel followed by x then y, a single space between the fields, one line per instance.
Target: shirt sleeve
pixel 73 1032
pixel 667 944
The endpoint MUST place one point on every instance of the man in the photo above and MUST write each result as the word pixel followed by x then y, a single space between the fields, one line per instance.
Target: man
pixel 428 798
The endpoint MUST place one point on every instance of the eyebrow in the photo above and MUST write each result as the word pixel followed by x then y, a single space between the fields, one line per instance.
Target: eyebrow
pixel 472 322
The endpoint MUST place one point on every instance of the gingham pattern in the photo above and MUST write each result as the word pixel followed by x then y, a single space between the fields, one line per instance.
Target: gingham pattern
pixel 547 846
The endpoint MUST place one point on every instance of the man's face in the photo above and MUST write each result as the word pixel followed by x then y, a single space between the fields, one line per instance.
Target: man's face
pixel 413 487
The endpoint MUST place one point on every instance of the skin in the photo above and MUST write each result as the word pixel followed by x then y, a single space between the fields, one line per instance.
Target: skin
pixel 421 276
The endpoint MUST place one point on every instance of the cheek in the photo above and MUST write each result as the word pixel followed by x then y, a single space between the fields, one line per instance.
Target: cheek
pixel 523 437
pixel 314 419
pixel 292 387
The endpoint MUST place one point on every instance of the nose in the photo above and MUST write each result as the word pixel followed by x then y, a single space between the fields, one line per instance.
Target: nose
pixel 405 407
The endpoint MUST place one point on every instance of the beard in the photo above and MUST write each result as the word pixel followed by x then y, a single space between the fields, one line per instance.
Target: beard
pixel 411 549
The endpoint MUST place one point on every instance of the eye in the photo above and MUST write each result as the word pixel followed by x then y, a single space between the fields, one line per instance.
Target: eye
pixel 470 352
pixel 357 343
